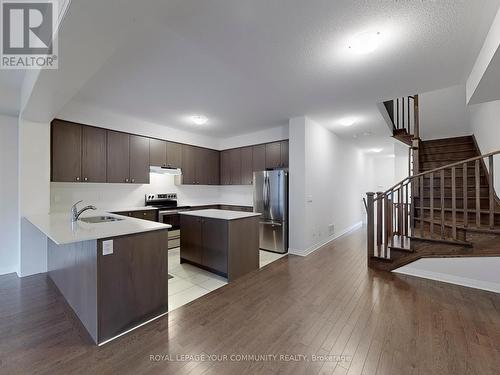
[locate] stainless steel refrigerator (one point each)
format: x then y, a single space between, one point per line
270 198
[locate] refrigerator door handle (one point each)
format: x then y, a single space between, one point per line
271 223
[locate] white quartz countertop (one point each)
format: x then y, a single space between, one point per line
59 228
221 214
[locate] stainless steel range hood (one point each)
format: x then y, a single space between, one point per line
166 170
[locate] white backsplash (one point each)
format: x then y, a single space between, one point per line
116 196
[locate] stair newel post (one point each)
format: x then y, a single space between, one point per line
478 195
380 224
370 223
491 192
453 203
465 191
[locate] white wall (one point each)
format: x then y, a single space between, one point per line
34 193
91 115
479 273
443 113
9 196
485 124
327 184
263 136
123 196
484 69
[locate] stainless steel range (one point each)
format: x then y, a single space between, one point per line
168 213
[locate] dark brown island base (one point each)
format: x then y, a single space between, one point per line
221 241
114 274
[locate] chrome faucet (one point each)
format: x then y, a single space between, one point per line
75 214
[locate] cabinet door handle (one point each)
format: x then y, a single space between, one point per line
126 180
133 180
78 178
85 179
145 214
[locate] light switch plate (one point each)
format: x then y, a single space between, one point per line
107 247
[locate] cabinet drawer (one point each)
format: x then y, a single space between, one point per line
150 215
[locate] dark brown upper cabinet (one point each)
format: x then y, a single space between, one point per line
174 155
157 153
225 165
247 165
93 154
277 155
188 164
200 166
78 153
273 155
66 163
213 158
118 161
284 154
235 166
139 160
259 158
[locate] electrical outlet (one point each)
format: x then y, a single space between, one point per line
331 228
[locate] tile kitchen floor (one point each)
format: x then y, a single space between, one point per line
190 282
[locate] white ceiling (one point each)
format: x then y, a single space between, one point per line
253 65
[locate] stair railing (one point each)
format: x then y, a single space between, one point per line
395 212
404 115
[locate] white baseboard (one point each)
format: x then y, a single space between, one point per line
315 247
452 279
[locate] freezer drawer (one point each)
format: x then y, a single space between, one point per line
273 236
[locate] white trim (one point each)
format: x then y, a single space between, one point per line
451 279
132 329
315 247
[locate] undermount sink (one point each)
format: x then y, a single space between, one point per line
100 219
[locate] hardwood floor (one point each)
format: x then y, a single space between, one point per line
328 303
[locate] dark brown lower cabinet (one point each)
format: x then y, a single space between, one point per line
116 290
132 281
229 248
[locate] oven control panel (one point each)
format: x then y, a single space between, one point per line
150 198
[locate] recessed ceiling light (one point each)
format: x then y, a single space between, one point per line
347 121
199 120
377 150
365 42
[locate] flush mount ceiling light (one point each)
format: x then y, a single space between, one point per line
199 120
376 150
347 121
365 42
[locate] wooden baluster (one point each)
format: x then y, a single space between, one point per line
465 194
478 195
453 204
405 205
411 207
392 219
370 225
387 223
442 203
421 206
431 225
416 120
401 212
491 193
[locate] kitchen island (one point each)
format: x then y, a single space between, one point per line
221 241
113 272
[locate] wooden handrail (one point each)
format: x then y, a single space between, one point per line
458 163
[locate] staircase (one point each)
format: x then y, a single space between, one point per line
446 208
